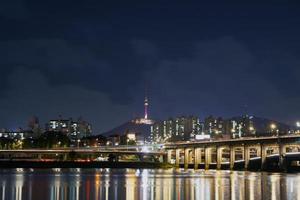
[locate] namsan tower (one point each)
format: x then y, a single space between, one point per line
146 104
145 119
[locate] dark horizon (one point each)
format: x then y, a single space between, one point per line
95 60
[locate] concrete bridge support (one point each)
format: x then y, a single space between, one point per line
186 158
263 156
219 157
282 153
254 151
246 156
268 150
177 157
221 150
198 157
237 153
207 157
232 157
189 157
250 152
169 156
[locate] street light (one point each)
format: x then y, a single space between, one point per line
273 126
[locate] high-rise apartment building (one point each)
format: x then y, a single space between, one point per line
178 129
241 127
73 129
214 126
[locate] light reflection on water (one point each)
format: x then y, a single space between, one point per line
146 184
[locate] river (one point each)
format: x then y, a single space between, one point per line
43 184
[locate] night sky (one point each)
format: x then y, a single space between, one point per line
95 60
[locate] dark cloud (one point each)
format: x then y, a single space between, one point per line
61 63
68 57
221 76
13 9
29 93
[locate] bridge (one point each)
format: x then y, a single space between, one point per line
83 154
261 153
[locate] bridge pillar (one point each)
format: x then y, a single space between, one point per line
207 151
39 156
258 151
177 157
263 155
197 158
282 152
232 157
246 156
169 156
219 157
192 156
187 157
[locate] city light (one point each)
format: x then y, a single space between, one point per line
273 126
156 100
202 137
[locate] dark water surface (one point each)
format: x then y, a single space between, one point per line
146 184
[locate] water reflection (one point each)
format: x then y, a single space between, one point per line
144 184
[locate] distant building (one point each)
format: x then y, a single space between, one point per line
93 141
214 126
73 129
113 140
132 138
241 127
59 125
178 129
19 134
236 127
34 126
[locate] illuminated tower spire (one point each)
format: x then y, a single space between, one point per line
145 119
146 104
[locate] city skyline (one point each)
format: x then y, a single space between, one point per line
93 59
143 118
149 99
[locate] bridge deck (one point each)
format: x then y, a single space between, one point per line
81 151
286 138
